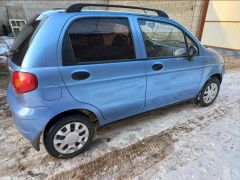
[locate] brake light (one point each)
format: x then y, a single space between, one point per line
24 82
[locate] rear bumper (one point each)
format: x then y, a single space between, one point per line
29 121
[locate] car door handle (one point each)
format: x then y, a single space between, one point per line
81 75
157 67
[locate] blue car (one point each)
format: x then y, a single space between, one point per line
72 69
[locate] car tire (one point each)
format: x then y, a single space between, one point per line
69 136
209 92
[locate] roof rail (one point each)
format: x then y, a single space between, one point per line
79 6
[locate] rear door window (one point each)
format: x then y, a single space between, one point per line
94 40
22 41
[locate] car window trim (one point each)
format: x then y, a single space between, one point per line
126 61
166 57
168 23
194 43
105 61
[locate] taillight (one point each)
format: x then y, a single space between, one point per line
24 82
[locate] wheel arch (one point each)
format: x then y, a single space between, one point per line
85 109
205 80
217 75
91 115
207 77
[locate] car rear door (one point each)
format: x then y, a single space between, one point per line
100 66
171 75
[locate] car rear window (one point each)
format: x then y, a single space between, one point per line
23 39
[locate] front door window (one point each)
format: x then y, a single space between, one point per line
162 40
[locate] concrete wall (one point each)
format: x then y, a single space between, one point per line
187 12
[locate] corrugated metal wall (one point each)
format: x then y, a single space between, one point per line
222 24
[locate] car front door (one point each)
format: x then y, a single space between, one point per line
100 66
171 75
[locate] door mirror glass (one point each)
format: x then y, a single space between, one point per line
192 51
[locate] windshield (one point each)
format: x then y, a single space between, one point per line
22 41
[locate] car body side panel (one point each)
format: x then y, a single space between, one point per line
178 80
52 93
213 64
117 89
31 121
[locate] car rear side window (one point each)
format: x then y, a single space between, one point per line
94 40
22 41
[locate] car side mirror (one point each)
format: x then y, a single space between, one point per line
180 52
192 51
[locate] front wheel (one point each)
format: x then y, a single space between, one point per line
69 136
209 92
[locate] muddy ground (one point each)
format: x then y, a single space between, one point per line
183 141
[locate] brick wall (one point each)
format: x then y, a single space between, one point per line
187 12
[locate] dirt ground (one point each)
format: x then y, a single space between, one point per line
182 142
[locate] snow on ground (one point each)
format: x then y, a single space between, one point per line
5 45
211 151
183 142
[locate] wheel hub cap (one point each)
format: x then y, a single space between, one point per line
210 93
71 137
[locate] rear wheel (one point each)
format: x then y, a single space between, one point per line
209 92
69 136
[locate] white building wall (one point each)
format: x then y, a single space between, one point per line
222 25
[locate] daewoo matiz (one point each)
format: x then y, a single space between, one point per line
71 69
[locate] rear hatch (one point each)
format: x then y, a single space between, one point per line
16 59
22 43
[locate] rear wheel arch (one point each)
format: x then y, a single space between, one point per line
70 136
61 115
